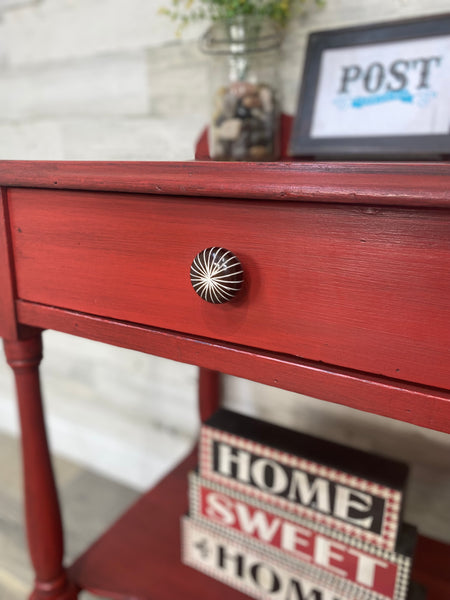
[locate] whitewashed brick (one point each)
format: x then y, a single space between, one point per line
178 80
101 139
5 4
62 29
341 13
103 85
292 55
31 141
124 382
134 413
124 414
131 139
135 454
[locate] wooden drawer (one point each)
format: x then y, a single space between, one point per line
361 287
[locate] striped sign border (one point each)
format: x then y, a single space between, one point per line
402 562
393 498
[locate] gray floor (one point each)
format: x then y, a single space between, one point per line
90 503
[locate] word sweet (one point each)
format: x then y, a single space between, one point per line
340 559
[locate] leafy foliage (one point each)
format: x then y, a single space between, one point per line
187 11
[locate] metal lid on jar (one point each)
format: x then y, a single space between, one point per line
241 35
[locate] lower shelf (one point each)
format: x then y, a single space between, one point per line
138 558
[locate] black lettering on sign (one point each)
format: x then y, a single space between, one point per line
396 76
237 559
265 578
349 74
345 503
424 65
295 591
374 77
398 71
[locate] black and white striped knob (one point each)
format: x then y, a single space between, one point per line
216 275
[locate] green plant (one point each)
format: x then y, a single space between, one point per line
187 11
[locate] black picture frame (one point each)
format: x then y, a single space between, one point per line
305 141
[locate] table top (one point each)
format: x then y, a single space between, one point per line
386 183
364 247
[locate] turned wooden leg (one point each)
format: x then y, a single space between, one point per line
209 392
43 519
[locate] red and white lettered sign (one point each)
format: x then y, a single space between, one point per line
379 573
319 485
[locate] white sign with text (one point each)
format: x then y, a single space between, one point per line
384 89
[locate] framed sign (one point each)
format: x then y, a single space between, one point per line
379 91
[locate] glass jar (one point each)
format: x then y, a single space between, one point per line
245 107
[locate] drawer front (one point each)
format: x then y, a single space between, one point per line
353 286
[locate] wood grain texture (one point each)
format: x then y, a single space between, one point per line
418 405
113 566
43 520
410 184
356 287
8 324
209 392
346 298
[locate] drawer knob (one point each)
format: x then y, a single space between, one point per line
216 275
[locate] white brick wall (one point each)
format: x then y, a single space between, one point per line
101 85
55 30
105 80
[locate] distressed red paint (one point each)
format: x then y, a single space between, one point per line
365 326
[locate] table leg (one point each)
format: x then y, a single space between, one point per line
43 518
209 392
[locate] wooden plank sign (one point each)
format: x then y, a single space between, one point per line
353 492
319 550
253 573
